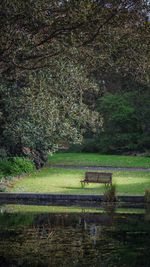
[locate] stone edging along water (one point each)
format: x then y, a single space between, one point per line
66 197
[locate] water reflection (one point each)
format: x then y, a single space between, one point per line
74 239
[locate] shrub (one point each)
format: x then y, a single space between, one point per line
125 122
1 175
5 167
16 166
39 157
75 148
3 188
21 165
3 153
90 145
9 178
110 193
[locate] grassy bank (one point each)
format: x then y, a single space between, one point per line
51 180
64 209
91 159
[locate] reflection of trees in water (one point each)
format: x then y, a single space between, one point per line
78 240
41 232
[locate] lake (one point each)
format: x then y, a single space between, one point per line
59 237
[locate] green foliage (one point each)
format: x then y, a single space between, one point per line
50 109
16 166
49 28
47 94
74 148
1 175
3 153
21 165
123 128
89 145
117 142
5 167
3 188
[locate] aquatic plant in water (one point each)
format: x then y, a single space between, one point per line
110 193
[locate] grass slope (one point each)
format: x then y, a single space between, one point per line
93 159
64 209
52 180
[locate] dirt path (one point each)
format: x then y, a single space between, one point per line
106 168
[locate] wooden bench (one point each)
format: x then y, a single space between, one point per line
97 177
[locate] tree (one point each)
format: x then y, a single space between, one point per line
46 112
32 33
125 125
38 41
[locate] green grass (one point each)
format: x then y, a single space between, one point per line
93 159
52 180
64 209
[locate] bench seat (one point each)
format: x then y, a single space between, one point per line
97 177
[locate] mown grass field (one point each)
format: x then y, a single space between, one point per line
63 181
93 159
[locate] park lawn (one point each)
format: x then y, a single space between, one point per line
63 181
95 159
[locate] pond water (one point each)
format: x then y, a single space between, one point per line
74 239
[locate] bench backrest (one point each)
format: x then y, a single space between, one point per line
98 177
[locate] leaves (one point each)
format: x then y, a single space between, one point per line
50 109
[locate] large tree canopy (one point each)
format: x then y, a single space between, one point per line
57 58
49 110
33 32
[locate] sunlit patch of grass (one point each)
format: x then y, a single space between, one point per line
62 181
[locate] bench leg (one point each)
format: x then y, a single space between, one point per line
107 185
82 184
